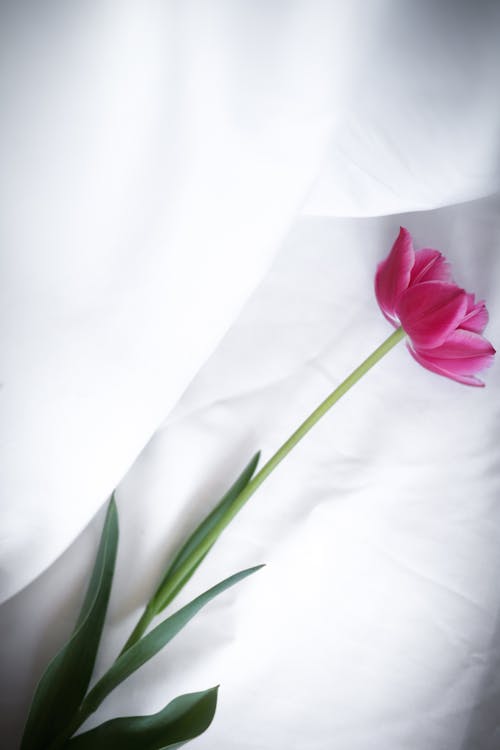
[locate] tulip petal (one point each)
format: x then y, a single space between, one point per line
476 317
430 265
393 274
465 345
435 366
430 311
463 354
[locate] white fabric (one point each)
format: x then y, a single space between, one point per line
147 183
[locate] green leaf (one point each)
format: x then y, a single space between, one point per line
150 644
182 720
66 679
160 600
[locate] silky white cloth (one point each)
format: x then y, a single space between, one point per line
155 157
374 622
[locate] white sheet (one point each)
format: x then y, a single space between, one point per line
374 623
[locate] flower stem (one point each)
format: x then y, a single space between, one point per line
180 576
314 417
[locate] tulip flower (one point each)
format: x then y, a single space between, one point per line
444 323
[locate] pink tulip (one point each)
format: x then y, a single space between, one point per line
443 322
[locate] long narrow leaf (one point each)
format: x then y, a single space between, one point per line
66 679
151 643
159 599
185 718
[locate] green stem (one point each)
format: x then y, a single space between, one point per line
179 576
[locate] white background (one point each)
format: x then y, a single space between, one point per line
158 161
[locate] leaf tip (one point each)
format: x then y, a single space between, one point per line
112 512
253 569
252 465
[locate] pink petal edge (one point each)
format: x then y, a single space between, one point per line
434 367
430 265
476 317
462 344
393 274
